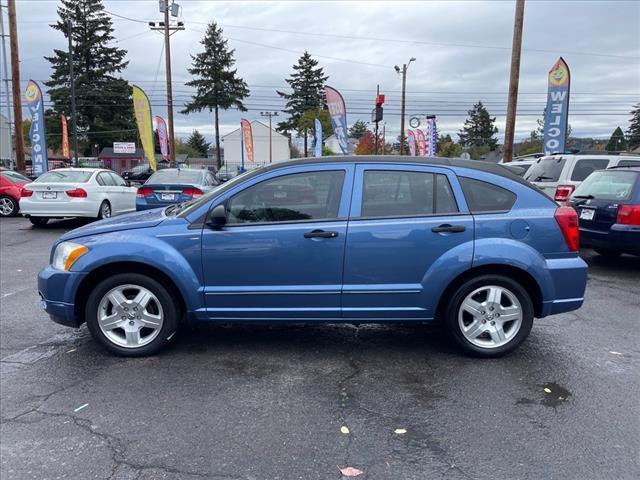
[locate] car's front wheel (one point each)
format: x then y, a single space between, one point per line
489 315
131 315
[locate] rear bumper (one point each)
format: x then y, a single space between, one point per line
619 237
569 277
150 206
57 291
61 209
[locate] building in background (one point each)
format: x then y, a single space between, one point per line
232 153
333 144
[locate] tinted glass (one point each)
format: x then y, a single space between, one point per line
445 199
486 197
518 169
545 170
585 166
14 177
174 177
608 185
118 180
301 196
629 163
64 176
106 179
394 193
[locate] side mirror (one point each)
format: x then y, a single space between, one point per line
218 217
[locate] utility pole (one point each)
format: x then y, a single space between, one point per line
269 114
404 90
168 30
15 85
5 71
72 83
513 82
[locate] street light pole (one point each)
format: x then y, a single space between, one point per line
270 115
72 85
404 90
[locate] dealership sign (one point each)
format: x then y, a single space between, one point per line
557 112
124 147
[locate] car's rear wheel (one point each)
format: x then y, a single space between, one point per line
608 253
104 211
489 315
38 221
131 315
8 206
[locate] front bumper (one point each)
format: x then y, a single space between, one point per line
619 237
57 289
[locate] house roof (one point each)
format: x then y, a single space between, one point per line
275 133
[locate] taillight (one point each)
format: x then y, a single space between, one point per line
567 219
144 192
628 215
77 193
26 193
563 192
192 192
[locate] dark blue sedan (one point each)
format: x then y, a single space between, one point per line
174 185
608 205
351 239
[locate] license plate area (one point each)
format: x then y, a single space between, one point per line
49 195
167 197
587 214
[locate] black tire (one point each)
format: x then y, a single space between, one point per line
105 205
11 207
170 310
455 301
608 253
38 221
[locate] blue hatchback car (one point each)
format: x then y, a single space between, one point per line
352 239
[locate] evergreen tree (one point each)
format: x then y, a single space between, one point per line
218 86
198 143
617 142
307 82
479 128
358 129
633 132
103 99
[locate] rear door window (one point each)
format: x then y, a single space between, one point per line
484 197
546 170
106 179
586 166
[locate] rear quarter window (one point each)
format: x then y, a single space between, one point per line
485 197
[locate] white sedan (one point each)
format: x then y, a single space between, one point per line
76 192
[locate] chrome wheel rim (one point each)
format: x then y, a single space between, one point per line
130 316
6 207
490 316
105 210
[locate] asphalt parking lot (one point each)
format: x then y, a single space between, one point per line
261 402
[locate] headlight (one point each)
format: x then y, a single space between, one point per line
66 255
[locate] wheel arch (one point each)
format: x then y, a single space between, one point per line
94 277
521 276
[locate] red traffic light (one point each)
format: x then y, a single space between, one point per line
379 100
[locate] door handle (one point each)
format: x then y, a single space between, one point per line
446 228
320 234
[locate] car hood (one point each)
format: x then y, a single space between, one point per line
128 221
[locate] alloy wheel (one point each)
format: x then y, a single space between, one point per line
105 210
490 316
130 316
6 207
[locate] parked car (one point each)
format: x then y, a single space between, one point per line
519 167
174 185
141 173
378 239
608 205
559 175
11 183
76 192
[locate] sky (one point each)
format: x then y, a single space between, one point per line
462 51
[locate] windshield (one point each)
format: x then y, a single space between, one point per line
608 185
15 177
546 170
175 177
65 176
186 208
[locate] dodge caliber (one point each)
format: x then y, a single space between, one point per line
366 239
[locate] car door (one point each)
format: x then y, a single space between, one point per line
107 190
281 253
408 224
126 195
